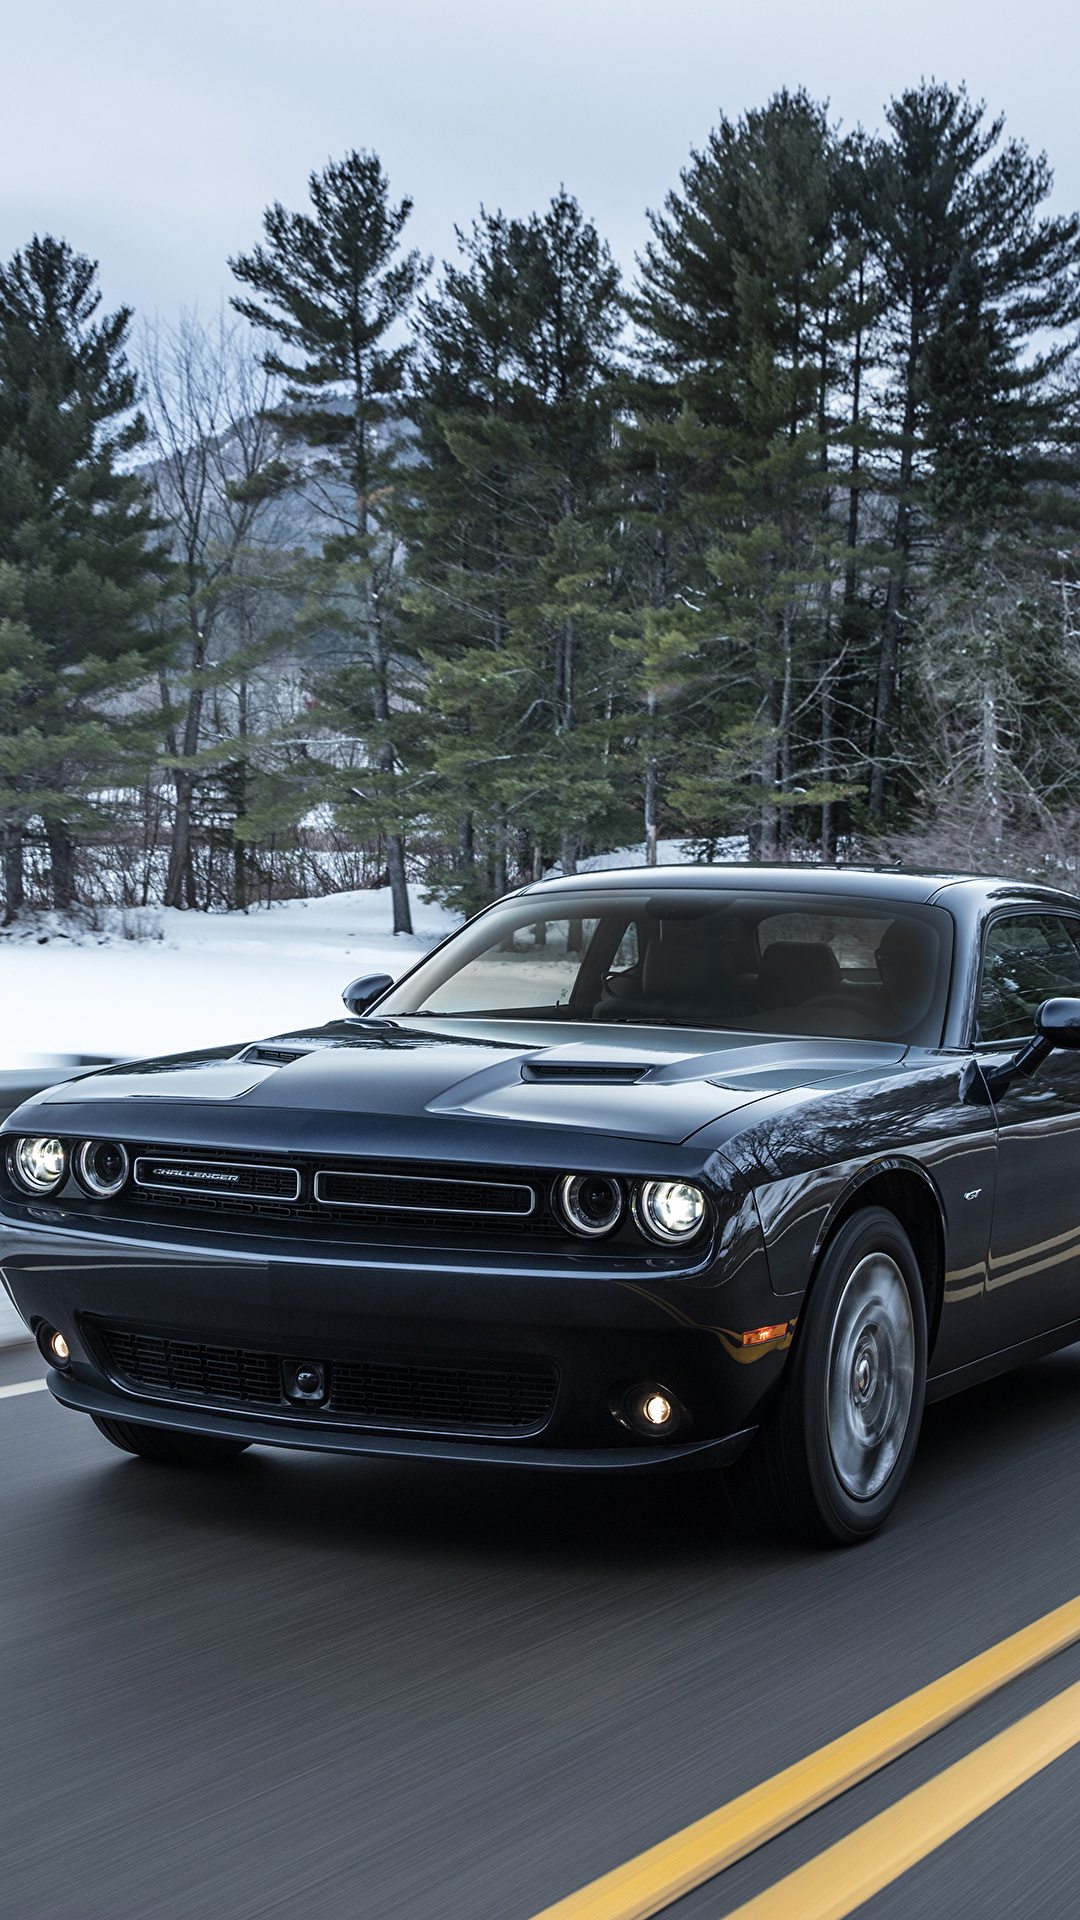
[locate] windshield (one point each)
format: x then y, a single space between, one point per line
707 957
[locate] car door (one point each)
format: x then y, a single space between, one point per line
1033 1281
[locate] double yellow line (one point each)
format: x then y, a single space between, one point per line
845 1875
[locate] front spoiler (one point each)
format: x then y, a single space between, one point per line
399 1446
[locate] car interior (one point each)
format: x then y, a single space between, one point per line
753 965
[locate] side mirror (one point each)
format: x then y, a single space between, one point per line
359 994
1057 1024
1058 1021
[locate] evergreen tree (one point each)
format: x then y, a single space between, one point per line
332 288
747 310
507 521
948 210
82 574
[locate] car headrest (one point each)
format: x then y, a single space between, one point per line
792 971
684 965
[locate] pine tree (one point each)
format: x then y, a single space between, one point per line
747 310
507 520
332 287
944 203
82 571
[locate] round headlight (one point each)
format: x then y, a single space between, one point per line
39 1166
101 1167
590 1203
671 1211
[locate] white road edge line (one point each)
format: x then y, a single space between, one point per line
23 1386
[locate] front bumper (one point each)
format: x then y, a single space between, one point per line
309 1437
596 1332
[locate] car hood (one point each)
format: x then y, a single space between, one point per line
649 1085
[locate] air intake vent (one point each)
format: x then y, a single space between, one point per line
473 1394
598 1072
274 1056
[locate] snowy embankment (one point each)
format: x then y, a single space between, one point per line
152 980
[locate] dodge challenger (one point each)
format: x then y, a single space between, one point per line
691 1167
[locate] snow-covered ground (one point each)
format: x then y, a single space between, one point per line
158 981
152 980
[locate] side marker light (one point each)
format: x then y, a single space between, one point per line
758 1336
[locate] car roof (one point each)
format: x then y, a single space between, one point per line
895 883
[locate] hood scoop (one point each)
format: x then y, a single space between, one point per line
275 1056
594 1073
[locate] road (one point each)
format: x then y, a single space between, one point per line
336 1690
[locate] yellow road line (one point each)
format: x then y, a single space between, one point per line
687 1859
845 1875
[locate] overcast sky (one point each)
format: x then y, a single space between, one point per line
151 136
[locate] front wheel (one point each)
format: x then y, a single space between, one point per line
166 1446
831 1458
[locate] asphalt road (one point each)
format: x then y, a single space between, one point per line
334 1690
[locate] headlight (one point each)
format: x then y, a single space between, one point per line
39 1166
101 1167
590 1203
671 1211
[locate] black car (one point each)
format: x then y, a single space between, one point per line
723 1167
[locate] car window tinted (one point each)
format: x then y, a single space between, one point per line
1027 958
710 958
532 966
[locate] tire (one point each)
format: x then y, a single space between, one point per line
166 1446
829 1462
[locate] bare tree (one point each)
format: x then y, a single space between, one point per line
216 475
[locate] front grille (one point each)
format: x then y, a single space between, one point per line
427 1196
232 1179
441 1396
188 1367
488 1397
401 1193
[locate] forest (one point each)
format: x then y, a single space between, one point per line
456 573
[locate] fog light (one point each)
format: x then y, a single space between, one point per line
648 1408
54 1348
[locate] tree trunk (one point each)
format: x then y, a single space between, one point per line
61 863
894 602
399 891
178 886
768 824
784 741
180 879
14 890
828 810
652 823
500 853
568 850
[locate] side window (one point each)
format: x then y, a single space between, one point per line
1027 958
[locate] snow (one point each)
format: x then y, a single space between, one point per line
154 980
149 980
